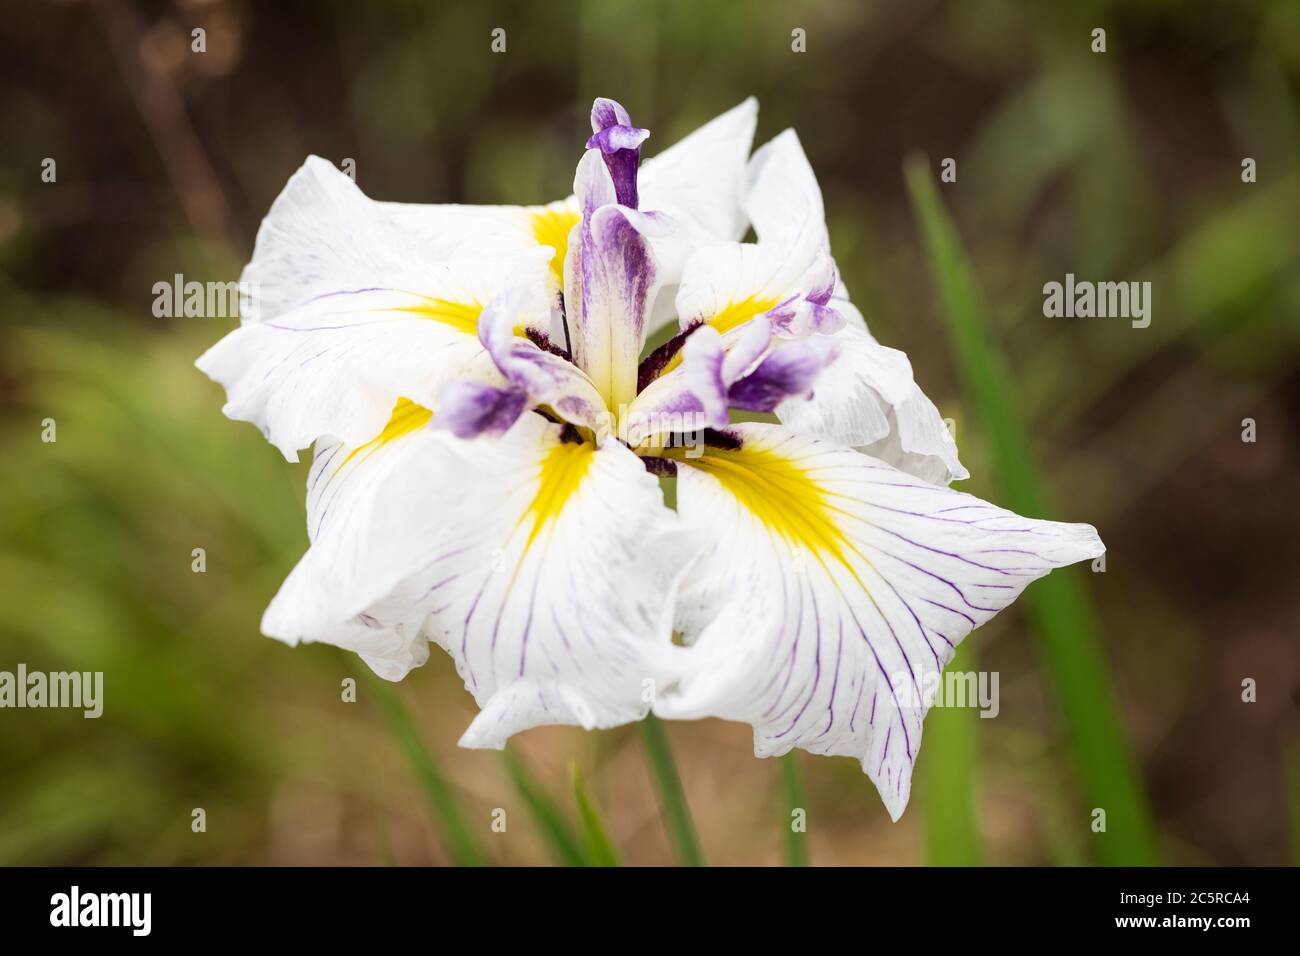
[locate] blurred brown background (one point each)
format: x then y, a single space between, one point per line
1117 166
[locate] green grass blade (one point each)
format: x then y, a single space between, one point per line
1058 604
555 828
383 846
442 802
796 843
599 848
948 768
672 801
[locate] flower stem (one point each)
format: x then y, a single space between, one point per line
952 835
437 790
599 847
672 801
796 841
550 818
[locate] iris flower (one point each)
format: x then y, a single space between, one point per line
490 431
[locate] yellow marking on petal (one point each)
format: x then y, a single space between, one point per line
732 316
551 227
406 418
461 316
738 313
780 493
563 469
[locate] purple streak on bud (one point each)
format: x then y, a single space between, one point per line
620 145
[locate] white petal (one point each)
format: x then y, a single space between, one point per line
322 236
727 284
450 230
919 442
700 182
545 569
867 398
783 199
831 586
700 179
343 575
335 365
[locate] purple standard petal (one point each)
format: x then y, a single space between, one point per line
789 371
620 145
609 281
610 278
468 409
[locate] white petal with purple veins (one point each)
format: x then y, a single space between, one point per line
334 365
343 574
545 568
321 236
832 588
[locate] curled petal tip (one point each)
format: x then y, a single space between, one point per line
620 144
606 113
615 138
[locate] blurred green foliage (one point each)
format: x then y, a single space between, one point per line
1064 616
599 848
1122 166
